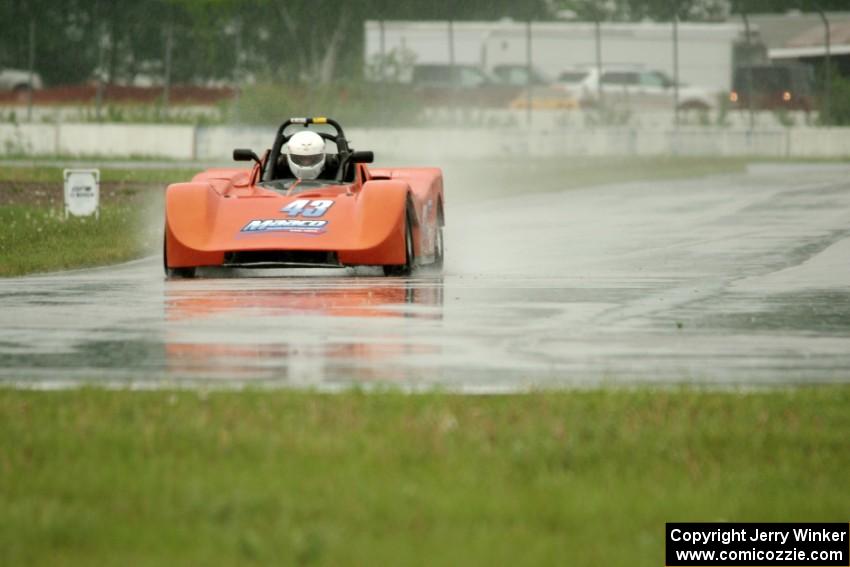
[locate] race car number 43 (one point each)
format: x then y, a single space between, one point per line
307 208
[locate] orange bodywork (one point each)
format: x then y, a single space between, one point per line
224 211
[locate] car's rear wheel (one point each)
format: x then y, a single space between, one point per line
175 273
406 268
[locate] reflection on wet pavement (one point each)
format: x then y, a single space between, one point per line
281 323
336 297
727 280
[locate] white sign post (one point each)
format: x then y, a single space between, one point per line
82 192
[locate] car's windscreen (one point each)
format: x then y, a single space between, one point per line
432 74
572 76
297 186
620 78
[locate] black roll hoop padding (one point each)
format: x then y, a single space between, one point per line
245 155
361 157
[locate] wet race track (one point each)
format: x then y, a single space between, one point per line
740 279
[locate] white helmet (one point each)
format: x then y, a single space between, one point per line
306 155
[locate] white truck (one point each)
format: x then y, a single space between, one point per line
18 80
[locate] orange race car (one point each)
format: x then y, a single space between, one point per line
302 209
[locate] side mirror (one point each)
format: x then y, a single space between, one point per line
362 157
245 155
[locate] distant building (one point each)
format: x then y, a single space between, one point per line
797 36
707 52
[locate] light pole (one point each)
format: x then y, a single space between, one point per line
750 93
599 9
31 79
676 65
166 88
454 79
597 32
528 86
382 68
825 112
237 75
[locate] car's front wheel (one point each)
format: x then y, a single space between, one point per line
406 268
180 273
175 273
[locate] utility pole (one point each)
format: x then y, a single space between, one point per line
676 66
31 79
528 82
99 74
382 62
454 79
597 27
101 71
826 117
166 87
236 70
382 43
750 93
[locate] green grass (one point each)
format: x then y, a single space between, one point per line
35 238
50 174
96 477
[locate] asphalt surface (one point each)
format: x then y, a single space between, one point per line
728 280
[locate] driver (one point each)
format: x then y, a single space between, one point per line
306 155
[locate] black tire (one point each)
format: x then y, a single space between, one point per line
439 249
407 268
175 273
180 273
697 105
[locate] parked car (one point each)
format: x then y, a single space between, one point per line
438 75
518 75
441 84
580 83
18 80
542 96
786 86
638 88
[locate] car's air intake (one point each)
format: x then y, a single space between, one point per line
272 258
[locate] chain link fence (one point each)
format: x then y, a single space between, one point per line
502 73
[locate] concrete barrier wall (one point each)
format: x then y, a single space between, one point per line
819 142
177 142
213 143
108 140
34 139
216 143
430 144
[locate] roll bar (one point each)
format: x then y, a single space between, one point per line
339 139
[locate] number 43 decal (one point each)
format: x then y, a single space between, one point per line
307 208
